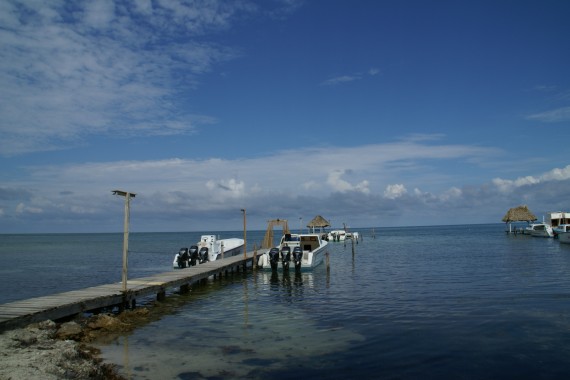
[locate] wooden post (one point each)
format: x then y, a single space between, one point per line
126 241
128 197
254 263
244 234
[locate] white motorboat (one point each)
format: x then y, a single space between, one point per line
337 235
557 219
539 230
560 229
564 237
302 251
342 235
209 248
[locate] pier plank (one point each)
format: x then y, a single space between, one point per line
20 313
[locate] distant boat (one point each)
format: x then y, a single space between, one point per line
564 237
558 218
539 230
209 248
561 229
342 235
336 235
302 251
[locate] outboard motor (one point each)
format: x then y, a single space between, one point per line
286 257
203 255
274 257
193 255
182 258
297 257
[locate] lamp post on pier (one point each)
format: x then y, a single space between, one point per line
244 234
128 197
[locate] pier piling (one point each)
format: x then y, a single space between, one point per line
63 305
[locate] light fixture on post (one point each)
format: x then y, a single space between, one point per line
128 197
244 235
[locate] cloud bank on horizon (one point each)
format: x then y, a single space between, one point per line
205 108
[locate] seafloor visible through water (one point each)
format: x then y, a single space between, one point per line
455 302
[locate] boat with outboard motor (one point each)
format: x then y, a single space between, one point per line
304 251
209 248
539 230
337 235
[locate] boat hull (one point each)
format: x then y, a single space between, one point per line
539 230
313 253
341 235
564 237
561 229
216 249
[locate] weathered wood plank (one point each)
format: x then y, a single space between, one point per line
20 313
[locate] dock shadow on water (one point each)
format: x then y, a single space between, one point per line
258 326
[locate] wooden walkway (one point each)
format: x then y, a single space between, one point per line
21 313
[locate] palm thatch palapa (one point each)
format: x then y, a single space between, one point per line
318 222
518 214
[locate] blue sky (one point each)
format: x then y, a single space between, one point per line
369 113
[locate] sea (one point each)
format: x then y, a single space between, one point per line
437 302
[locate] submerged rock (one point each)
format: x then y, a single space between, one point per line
46 351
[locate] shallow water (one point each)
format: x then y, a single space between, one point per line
431 302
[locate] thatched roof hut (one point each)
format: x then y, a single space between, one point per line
318 222
519 214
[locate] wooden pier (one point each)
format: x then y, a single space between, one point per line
21 313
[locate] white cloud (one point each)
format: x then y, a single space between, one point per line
369 181
507 185
349 78
395 191
375 166
311 185
21 208
338 184
340 79
67 75
452 193
99 14
231 188
552 116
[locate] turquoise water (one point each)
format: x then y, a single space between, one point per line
452 302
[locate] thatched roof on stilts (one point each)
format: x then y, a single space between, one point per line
318 222
519 214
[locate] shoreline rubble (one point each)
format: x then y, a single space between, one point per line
53 351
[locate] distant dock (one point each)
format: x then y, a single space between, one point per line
21 313
516 231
